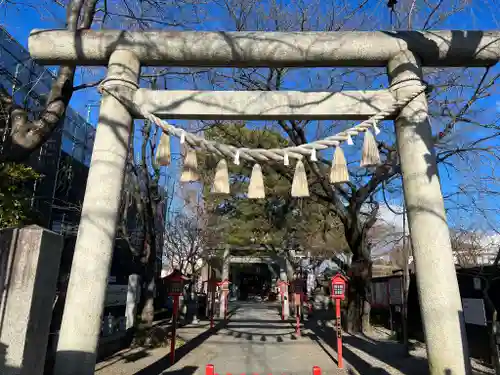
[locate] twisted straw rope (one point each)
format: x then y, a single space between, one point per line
278 154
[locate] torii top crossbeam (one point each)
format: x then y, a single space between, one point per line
273 49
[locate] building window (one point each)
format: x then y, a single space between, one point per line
89 143
9 63
69 123
78 152
80 131
87 157
67 144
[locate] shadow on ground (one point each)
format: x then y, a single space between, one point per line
391 353
163 363
187 370
4 368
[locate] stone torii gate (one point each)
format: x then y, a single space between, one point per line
259 255
403 53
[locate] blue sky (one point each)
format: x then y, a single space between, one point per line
479 15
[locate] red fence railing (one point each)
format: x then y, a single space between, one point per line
210 370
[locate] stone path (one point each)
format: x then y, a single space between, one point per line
257 341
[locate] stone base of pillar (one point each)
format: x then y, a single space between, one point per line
222 306
286 307
29 268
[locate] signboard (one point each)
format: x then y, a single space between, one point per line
338 328
474 312
175 288
379 295
116 295
395 291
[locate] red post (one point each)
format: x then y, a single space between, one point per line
339 333
224 284
226 302
282 286
309 304
174 329
212 307
339 284
297 324
210 370
282 294
282 306
297 314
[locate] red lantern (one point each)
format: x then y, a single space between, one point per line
224 284
282 285
338 286
175 283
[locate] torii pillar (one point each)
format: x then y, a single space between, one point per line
81 323
437 284
226 259
284 277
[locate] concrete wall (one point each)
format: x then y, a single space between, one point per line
29 266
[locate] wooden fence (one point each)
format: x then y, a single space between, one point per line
480 293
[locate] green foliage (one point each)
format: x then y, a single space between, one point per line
279 220
15 192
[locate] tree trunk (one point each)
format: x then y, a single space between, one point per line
359 286
290 270
148 308
25 136
148 286
359 291
133 298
